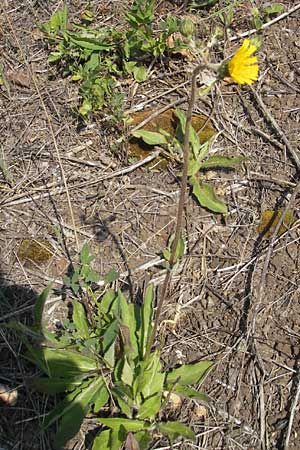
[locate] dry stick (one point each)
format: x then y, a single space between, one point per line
266 25
49 123
275 125
291 418
271 246
180 209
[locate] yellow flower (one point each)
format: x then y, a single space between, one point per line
243 67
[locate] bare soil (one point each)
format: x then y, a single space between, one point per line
224 303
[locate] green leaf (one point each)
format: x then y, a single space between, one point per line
193 167
104 305
206 196
86 107
140 73
54 385
128 424
102 441
144 438
39 306
274 8
150 137
127 373
110 335
109 356
175 430
221 161
146 316
150 379
189 373
62 363
70 424
80 320
85 257
111 276
73 409
150 407
128 322
122 402
58 21
88 43
189 392
102 397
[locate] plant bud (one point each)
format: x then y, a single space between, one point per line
187 27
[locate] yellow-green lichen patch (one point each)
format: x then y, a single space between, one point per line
269 220
37 251
168 122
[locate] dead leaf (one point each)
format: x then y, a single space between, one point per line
174 400
171 43
269 220
200 411
20 78
7 395
131 443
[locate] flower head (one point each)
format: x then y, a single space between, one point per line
243 67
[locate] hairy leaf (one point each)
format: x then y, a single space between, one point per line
189 373
221 161
150 407
206 196
150 137
80 320
175 430
128 424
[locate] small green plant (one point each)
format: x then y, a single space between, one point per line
82 275
103 361
265 13
198 160
96 58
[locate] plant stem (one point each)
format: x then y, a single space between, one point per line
180 208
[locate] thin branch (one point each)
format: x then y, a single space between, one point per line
180 209
267 24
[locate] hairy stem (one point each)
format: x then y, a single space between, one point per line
180 208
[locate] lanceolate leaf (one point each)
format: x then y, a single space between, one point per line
189 373
54 385
128 424
73 414
88 42
186 391
80 320
175 430
150 407
146 313
62 363
206 196
102 441
221 161
39 306
128 324
150 137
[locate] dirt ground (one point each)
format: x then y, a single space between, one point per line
227 303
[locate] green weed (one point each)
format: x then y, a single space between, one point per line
100 360
98 58
198 160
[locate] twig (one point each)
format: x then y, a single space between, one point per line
275 125
271 246
180 209
48 120
267 24
291 418
157 113
33 196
